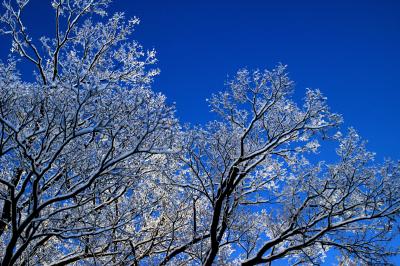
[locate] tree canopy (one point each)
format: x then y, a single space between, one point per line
97 170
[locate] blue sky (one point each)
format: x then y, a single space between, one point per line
348 49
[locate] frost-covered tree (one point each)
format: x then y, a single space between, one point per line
95 169
82 146
265 196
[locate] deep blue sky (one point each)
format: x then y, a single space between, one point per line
348 49
351 51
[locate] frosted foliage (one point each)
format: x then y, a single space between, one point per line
82 148
96 170
268 200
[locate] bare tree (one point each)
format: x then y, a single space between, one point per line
95 169
78 144
262 200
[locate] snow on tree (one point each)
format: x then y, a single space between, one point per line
266 201
95 168
81 145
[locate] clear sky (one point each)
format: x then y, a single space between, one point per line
351 51
348 49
